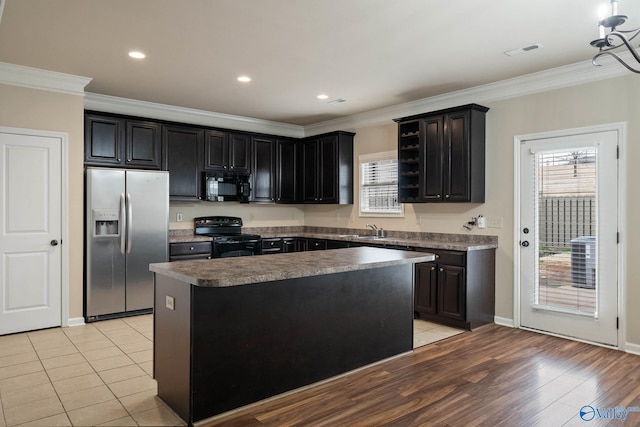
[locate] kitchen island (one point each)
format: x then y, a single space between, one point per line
232 331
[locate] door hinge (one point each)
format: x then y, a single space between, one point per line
617 151
618 237
617 323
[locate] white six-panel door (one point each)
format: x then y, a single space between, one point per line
30 231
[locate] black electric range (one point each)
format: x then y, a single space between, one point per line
228 240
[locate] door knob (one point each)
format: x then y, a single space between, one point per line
54 243
525 230
525 244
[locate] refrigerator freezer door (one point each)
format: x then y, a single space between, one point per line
105 263
148 233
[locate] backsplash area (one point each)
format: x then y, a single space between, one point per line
281 231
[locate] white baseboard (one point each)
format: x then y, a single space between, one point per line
503 321
632 348
76 321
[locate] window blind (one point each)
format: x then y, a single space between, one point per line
565 185
379 187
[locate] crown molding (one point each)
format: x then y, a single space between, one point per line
542 81
552 79
34 78
133 107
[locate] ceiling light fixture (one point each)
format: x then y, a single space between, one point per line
244 79
609 42
137 55
323 96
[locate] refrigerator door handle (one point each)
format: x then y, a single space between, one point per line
129 223
123 225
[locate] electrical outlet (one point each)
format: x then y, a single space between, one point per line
170 302
494 222
179 217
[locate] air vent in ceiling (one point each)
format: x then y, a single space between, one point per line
521 50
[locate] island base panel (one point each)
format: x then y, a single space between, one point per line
172 344
255 341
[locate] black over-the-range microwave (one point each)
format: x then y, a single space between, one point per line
227 187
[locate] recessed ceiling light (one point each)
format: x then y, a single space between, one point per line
323 96
136 54
244 79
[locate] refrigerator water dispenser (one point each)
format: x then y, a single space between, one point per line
106 222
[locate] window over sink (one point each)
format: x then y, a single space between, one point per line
379 185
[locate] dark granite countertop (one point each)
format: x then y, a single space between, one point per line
224 272
447 241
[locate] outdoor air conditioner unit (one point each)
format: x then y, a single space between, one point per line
583 262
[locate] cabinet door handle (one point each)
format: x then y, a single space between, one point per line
447 196
441 269
433 268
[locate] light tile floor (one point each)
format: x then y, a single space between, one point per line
98 374
427 332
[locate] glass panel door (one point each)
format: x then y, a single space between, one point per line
568 236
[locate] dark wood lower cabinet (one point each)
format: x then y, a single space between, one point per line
337 244
294 244
457 289
316 244
271 245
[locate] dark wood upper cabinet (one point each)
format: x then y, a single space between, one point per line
240 153
442 156
121 142
216 151
287 171
227 152
283 170
275 171
183 148
327 168
143 145
263 177
103 140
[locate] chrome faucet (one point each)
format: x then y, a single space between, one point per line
379 231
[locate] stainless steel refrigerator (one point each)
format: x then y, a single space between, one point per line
127 228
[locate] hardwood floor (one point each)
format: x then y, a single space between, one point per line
494 376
